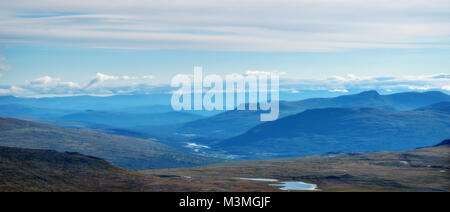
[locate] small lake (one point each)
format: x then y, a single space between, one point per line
286 185
196 147
296 185
259 179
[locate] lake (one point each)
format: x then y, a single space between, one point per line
286 185
296 185
259 179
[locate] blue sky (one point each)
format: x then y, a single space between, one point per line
81 64
54 47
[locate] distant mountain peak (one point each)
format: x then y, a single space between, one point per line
369 93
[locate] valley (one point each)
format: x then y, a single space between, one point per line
128 152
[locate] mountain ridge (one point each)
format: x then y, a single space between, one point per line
123 151
318 131
233 123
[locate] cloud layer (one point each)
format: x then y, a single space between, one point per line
244 25
100 84
385 83
103 84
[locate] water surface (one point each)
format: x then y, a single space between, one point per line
259 179
296 185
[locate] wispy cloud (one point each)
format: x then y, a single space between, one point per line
3 66
302 25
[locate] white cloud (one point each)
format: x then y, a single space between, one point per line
354 82
45 85
441 76
263 25
103 77
338 90
14 91
420 88
69 85
294 91
46 80
99 78
149 77
263 73
127 78
348 78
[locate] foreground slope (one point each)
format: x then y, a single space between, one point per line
122 151
424 169
319 131
46 170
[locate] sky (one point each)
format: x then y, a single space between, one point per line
75 47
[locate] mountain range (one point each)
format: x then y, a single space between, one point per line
115 102
366 121
233 123
320 131
130 120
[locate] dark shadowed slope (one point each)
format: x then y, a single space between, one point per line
233 123
444 143
320 131
46 170
122 151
